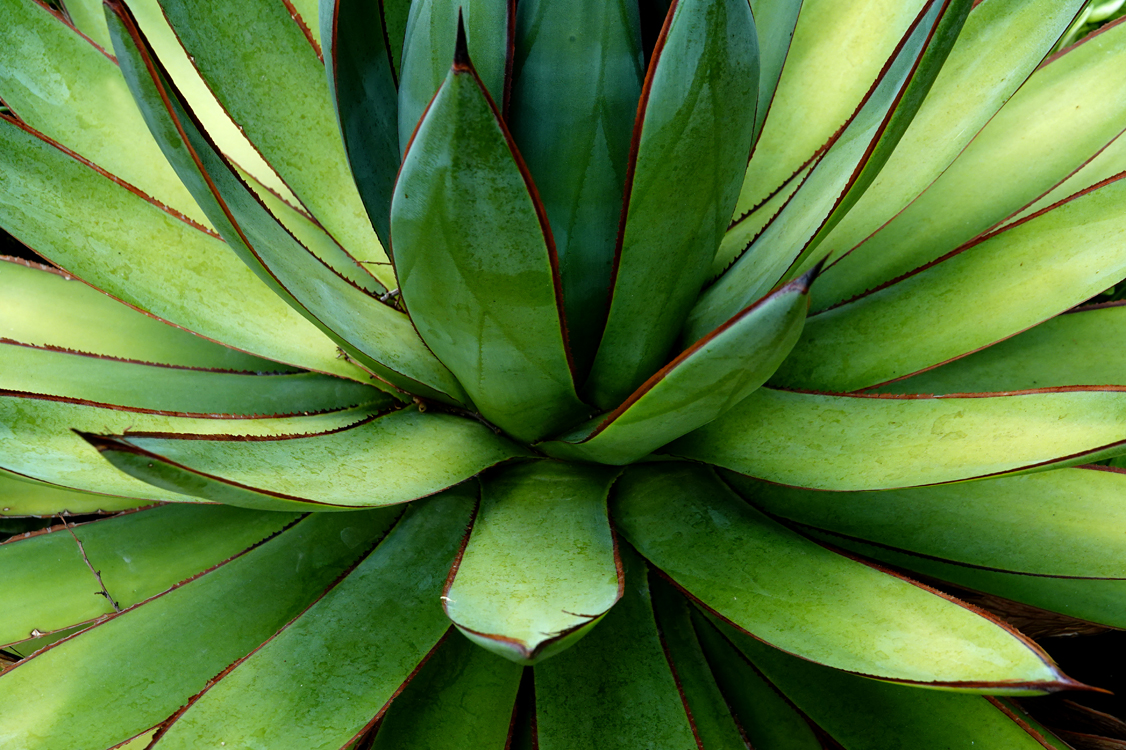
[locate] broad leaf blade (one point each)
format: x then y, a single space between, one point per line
707 379
686 161
368 632
809 601
380 337
575 88
477 263
615 688
380 461
541 566
782 436
132 670
137 556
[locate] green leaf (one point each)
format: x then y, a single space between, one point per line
278 95
838 442
614 689
364 89
365 636
42 306
712 722
477 264
46 197
428 48
380 337
47 448
686 161
24 496
173 389
381 460
1067 111
775 21
576 82
800 597
815 95
704 381
69 89
541 566
1068 522
461 698
87 16
1079 348
843 171
865 714
983 292
129 672
1001 44
769 721
137 556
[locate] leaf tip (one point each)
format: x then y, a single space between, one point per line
461 47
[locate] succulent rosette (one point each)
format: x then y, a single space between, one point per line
556 374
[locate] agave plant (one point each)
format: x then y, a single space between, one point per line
556 374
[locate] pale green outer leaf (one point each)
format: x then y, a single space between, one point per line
1066 112
45 447
262 69
89 18
706 380
175 390
1000 45
137 555
207 289
364 637
987 291
614 689
378 336
461 698
308 11
690 144
133 670
833 442
1079 348
836 55
1069 522
809 601
541 566
428 50
64 86
870 715
840 173
390 459
775 21
712 722
45 307
769 721
23 496
477 264
1108 163
1096 600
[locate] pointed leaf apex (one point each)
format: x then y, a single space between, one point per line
806 279
461 47
101 442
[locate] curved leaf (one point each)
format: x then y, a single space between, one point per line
382 460
378 336
125 253
837 442
985 291
137 556
775 22
576 81
367 635
477 263
811 602
541 566
686 162
130 671
24 496
1067 111
707 379
614 688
